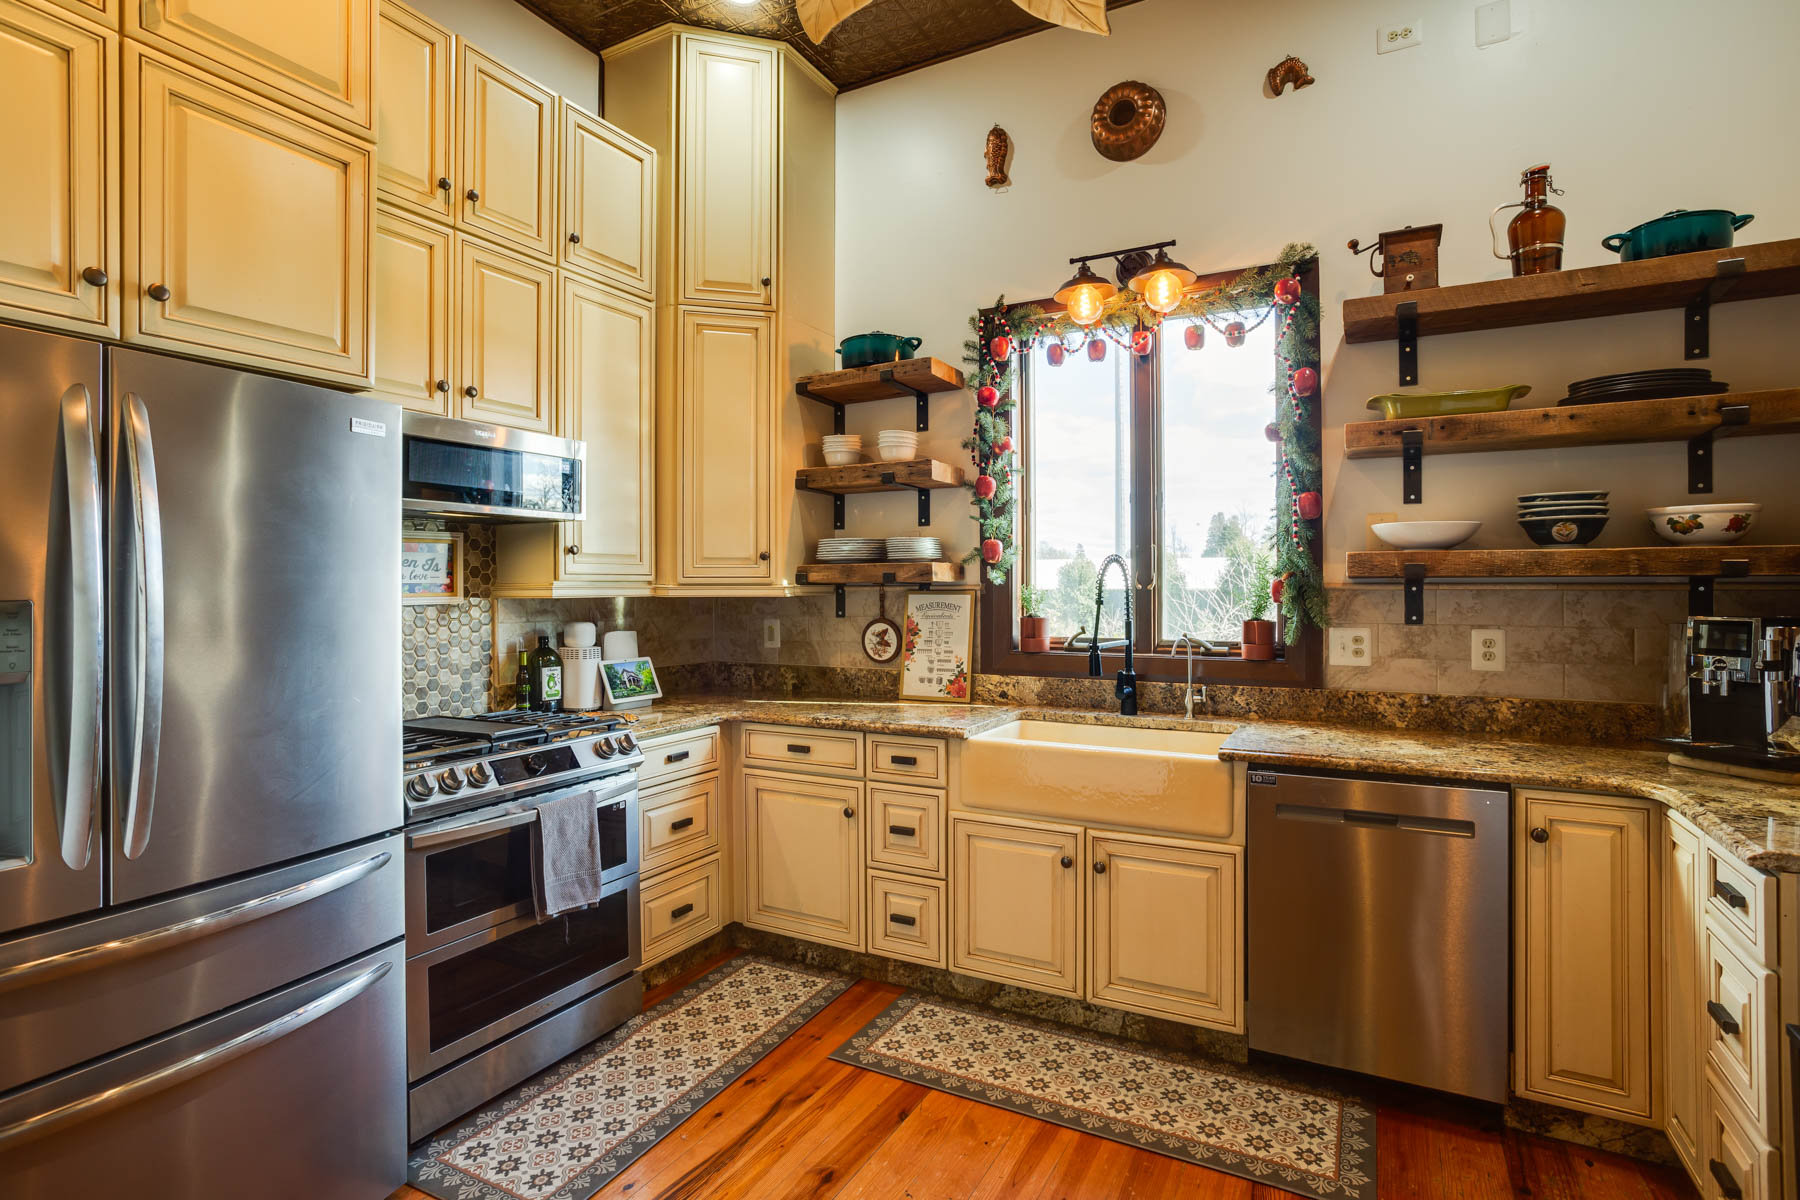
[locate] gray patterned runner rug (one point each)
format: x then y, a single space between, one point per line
1229 1120
564 1133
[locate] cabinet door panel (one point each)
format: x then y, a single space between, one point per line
59 210
1587 996
728 173
412 312
609 202
256 223
414 121
727 530
1165 929
1016 906
608 401
1682 1006
508 155
315 54
104 11
804 862
506 333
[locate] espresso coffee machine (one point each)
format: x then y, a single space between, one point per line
1743 692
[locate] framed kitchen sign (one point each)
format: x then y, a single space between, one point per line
431 568
936 645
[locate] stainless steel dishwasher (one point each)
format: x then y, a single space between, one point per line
1379 928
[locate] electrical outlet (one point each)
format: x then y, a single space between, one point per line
1487 649
771 633
1351 646
1493 23
1402 35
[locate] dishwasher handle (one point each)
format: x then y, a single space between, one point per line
1375 819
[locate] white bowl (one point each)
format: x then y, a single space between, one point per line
897 453
846 444
1425 535
842 458
1703 524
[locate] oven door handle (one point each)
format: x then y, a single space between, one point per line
436 837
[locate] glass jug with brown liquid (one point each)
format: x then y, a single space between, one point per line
1536 231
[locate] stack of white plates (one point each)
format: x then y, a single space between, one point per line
914 549
842 449
851 550
897 445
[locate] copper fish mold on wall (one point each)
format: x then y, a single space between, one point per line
999 150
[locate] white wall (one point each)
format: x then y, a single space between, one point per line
1639 105
525 42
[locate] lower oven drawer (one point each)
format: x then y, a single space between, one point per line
299 1093
473 992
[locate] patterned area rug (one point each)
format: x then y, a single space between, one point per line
563 1134
1300 1141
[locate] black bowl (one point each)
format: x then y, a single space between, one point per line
1562 531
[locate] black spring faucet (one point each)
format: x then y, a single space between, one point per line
1126 688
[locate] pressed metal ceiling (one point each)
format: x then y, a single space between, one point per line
887 38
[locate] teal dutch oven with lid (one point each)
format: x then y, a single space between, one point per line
1679 232
867 349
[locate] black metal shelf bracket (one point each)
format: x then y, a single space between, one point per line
1412 465
1697 321
837 502
1414 593
888 479
1700 449
839 590
922 398
836 406
1703 589
1406 323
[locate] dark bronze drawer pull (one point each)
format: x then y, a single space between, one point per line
794 748
1722 1018
675 758
1728 1186
901 919
904 830
680 911
675 826
1730 895
905 760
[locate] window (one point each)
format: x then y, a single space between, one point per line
1163 461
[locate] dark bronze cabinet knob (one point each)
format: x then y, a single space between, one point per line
158 292
572 549
1540 835
471 391
767 281
764 556
1067 861
472 194
443 183
443 385
1099 868
94 277
848 811
574 239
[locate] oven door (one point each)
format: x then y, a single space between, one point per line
474 992
473 871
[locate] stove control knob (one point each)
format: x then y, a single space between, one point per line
450 779
478 775
419 787
604 747
535 764
627 743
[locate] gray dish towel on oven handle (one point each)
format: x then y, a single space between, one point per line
565 856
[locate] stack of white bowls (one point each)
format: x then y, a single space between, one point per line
851 550
897 445
914 549
842 449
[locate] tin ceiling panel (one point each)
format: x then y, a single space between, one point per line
887 38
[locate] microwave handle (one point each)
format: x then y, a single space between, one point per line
463 830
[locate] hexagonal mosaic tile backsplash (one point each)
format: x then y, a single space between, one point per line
447 650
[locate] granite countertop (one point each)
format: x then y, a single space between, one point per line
1757 822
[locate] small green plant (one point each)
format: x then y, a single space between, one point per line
1262 578
1033 601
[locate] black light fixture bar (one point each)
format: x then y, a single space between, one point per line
1116 255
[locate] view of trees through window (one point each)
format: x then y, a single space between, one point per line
1212 490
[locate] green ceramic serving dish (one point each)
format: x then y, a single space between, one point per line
1396 405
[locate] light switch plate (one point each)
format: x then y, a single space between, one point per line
1487 649
1493 23
1352 645
1400 35
771 633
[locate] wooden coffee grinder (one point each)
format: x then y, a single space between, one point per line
1409 257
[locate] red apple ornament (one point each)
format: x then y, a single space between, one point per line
991 550
1306 381
988 395
1235 333
1310 505
984 487
1287 291
1097 349
1054 353
1194 335
1272 431
1003 446
1141 343
1276 587
1002 347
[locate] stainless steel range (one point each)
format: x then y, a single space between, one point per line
493 994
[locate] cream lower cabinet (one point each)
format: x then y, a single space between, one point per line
1683 1049
803 856
1588 931
506 337
59 207
1015 902
682 897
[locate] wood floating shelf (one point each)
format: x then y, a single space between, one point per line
1769 269
874 573
921 475
915 377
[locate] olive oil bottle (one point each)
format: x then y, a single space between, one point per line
523 684
546 677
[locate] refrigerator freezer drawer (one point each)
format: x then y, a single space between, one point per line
301 1093
88 989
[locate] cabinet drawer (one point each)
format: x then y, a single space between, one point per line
680 755
906 918
906 829
677 823
920 761
1736 1163
803 749
1738 1028
1742 899
681 908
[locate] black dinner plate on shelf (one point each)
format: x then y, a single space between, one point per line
1671 383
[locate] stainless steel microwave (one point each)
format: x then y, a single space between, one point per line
477 472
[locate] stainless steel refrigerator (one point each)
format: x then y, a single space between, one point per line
201 893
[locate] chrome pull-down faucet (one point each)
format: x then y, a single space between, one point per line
1126 687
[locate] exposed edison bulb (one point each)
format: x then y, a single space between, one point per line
1085 304
1163 292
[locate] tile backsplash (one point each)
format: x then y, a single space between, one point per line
447 649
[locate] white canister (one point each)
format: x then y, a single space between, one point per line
579 633
620 643
581 667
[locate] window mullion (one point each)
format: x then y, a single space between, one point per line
1146 499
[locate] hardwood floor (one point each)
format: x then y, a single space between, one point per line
800 1125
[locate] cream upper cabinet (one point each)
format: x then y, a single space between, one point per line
1015 908
722 462
1589 926
317 55
59 214
506 338
803 859
727 172
608 202
1683 1010
507 158
104 11
1165 934
607 400
414 311
250 239
415 123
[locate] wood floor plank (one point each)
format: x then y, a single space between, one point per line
821 1149
1427 1156
941 1153
1025 1165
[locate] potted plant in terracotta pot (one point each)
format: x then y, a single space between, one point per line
1034 626
1258 644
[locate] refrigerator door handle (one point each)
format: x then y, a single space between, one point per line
138 626
180 1071
75 626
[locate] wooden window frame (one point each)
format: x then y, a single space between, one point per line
1299 665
